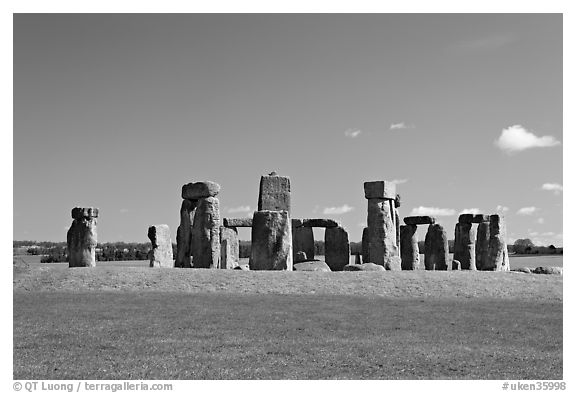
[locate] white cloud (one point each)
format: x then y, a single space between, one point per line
540 221
517 138
471 211
399 181
527 211
240 209
123 210
432 211
548 234
338 210
352 132
555 187
501 209
400 126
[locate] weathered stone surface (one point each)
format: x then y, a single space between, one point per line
336 248
184 234
297 222
87 212
397 201
382 234
465 245
320 223
303 240
201 189
206 234
436 248
409 251
397 223
237 222
365 245
456 265
473 218
355 248
312 266
82 238
522 270
365 267
300 257
419 220
161 253
548 270
482 241
274 193
497 249
381 189
229 248
271 241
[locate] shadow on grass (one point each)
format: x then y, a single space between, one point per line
217 336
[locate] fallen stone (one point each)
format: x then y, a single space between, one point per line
312 266
419 220
237 222
271 241
229 248
522 270
206 234
82 238
242 267
300 257
319 223
365 267
303 240
274 193
381 189
436 248
336 248
87 212
161 255
201 189
548 270
382 234
409 251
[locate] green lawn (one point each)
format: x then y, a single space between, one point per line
172 335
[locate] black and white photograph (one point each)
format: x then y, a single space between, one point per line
267 196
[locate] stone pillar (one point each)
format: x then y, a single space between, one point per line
436 254
82 237
357 260
365 246
302 239
397 219
409 251
381 224
271 241
161 253
229 248
274 193
464 244
337 248
184 233
497 249
482 240
206 234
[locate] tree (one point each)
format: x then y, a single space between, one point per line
522 246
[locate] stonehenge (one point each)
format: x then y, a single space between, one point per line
497 259
161 253
337 248
82 237
436 255
382 234
409 251
229 247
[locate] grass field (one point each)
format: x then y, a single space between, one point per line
117 322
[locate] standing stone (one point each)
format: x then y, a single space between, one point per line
336 248
436 254
482 241
202 189
184 233
206 234
497 249
409 251
161 254
271 241
382 234
229 248
397 222
365 246
357 260
274 193
303 240
82 237
456 265
381 189
465 245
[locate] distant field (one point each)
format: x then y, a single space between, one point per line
132 322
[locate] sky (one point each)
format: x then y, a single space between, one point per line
118 111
